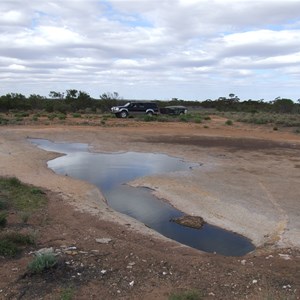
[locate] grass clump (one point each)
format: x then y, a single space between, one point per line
229 122
187 295
66 294
198 120
76 115
42 263
21 197
61 116
3 219
149 118
11 243
3 204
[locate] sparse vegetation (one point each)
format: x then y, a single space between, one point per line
3 219
42 262
11 243
187 295
76 115
23 200
67 294
229 122
21 197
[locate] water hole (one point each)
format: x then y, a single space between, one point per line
111 171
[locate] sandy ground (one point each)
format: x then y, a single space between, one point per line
247 180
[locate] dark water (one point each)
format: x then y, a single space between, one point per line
111 171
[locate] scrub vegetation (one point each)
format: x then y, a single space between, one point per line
79 108
19 200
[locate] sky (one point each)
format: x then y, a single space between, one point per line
152 49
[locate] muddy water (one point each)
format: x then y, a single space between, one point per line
111 171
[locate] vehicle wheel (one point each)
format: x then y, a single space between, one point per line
123 114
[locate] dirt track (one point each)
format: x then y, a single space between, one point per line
248 182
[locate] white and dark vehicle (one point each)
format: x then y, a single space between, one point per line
135 108
174 110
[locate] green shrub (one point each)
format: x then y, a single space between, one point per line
198 120
184 118
3 204
21 197
19 238
36 191
14 182
61 116
66 294
3 121
229 122
42 263
76 115
25 215
149 118
187 295
3 218
207 118
163 119
35 118
10 243
51 117
21 114
8 248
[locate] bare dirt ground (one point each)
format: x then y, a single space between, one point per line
247 182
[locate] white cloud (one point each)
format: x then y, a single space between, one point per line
151 49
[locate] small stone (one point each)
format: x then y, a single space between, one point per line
131 283
243 262
71 248
103 272
103 240
44 251
254 281
285 256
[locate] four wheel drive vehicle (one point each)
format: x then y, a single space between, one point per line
135 108
174 110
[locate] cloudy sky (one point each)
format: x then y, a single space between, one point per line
152 49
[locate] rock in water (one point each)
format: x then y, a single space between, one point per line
189 221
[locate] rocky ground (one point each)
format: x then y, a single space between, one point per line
248 183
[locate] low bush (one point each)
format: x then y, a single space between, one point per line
76 115
3 204
14 182
187 295
61 116
149 118
229 122
8 248
67 294
42 263
11 243
3 219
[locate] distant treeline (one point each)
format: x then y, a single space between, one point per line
74 101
